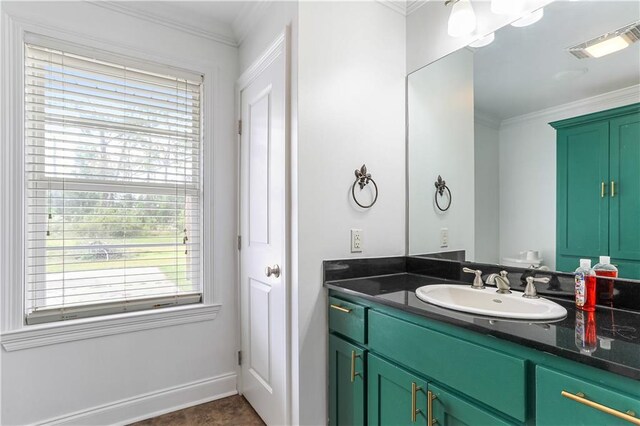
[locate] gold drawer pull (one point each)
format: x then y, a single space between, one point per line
602 189
613 189
353 366
341 309
414 409
580 397
430 420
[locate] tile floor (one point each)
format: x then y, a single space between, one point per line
234 410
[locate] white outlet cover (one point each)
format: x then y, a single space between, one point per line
356 241
444 237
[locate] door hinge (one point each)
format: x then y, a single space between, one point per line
239 242
239 357
239 127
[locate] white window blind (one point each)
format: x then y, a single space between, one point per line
113 187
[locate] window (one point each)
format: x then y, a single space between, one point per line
113 187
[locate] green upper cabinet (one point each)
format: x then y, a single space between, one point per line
347 389
582 204
598 189
624 241
396 397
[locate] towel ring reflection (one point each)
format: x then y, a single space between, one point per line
441 187
362 179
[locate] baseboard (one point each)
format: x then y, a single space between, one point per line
152 404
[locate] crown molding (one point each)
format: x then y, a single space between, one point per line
616 98
487 120
173 23
248 18
413 5
398 6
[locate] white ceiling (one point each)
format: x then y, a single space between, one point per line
515 74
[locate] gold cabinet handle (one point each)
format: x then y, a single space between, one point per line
414 396
341 309
629 416
354 355
602 190
430 419
613 189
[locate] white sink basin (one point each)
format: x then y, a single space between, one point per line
488 302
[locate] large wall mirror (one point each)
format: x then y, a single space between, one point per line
520 196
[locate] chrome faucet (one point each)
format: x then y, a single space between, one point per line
477 281
501 281
530 291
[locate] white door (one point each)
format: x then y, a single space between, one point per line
263 292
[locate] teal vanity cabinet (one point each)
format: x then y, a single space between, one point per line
598 189
346 382
397 397
562 399
347 362
392 367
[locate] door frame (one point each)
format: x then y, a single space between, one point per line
280 46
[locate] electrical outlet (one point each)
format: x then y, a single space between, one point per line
444 237
356 241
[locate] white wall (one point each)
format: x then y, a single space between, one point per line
351 110
528 173
427 38
440 132
126 376
487 190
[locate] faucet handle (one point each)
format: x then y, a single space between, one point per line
530 291
477 281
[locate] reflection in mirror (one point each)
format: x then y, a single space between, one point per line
526 193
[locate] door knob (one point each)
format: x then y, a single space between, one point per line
272 271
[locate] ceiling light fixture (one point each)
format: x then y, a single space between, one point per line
607 43
506 7
483 41
529 18
462 20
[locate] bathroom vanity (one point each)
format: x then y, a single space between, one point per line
394 359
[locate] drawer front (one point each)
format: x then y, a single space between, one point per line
494 378
348 319
552 408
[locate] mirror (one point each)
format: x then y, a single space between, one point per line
479 118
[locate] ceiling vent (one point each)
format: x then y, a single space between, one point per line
607 43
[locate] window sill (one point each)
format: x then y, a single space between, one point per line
68 331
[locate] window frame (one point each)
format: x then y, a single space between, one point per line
15 333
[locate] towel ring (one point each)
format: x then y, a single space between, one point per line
362 179
441 186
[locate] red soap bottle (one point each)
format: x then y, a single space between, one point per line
604 288
585 286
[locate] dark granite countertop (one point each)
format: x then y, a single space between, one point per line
617 348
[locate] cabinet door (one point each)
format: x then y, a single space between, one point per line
582 209
451 410
562 399
393 395
346 383
625 195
